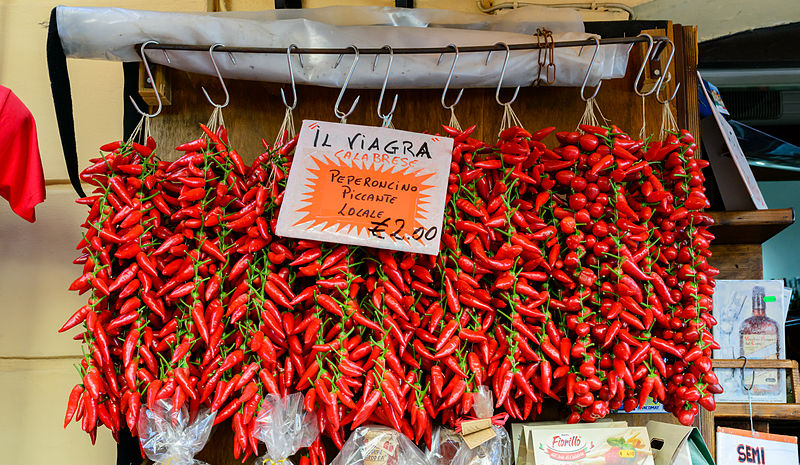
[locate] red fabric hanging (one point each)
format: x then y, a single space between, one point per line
21 174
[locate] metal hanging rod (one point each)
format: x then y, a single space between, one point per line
409 50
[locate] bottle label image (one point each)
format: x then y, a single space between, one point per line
760 346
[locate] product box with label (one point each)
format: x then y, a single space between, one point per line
615 444
523 434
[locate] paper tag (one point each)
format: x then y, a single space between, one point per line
382 447
476 432
368 186
269 461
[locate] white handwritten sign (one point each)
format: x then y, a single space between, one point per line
743 446
369 186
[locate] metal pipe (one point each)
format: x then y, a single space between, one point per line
408 50
592 6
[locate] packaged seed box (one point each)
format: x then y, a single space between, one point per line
591 446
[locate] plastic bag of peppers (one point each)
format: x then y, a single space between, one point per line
576 272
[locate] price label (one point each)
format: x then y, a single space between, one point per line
368 186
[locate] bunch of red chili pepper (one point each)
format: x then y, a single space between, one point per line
589 263
627 286
577 273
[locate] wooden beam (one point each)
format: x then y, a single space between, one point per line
740 363
737 261
761 411
750 226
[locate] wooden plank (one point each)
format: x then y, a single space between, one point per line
750 226
162 81
737 261
256 110
691 110
641 419
738 423
762 411
739 363
680 70
777 216
708 430
790 365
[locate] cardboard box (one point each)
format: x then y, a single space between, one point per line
677 445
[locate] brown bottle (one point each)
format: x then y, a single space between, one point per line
758 339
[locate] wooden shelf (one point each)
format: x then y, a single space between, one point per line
790 365
763 414
760 411
750 226
767 363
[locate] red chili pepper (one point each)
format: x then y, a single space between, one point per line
664 347
72 403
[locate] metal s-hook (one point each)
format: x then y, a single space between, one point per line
670 58
502 75
152 82
747 389
589 72
661 84
219 76
291 77
665 76
637 81
387 117
336 110
449 78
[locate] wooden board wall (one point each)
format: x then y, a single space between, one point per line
256 110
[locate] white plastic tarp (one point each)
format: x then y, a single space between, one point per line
113 33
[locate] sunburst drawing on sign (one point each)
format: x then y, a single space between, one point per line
376 200
367 186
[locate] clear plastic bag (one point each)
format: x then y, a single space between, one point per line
168 437
284 427
444 444
495 451
379 445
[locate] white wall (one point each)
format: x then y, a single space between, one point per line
781 253
717 18
36 363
